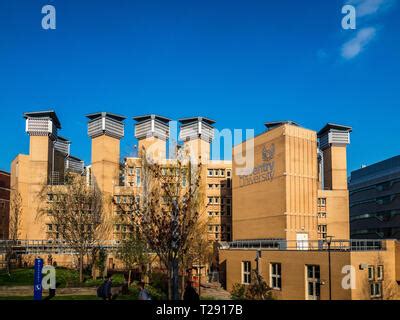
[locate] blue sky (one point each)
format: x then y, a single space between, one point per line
241 63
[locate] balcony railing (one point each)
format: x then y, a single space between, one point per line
308 245
49 246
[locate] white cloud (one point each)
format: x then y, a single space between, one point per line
354 46
369 7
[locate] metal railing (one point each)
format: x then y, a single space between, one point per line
49 246
308 245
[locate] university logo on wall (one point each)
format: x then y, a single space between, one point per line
268 153
262 172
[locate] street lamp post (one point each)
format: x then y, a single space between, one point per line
328 240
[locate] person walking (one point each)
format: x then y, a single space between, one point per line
190 293
104 291
143 294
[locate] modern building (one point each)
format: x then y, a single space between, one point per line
291 220
375 200
4 204
49 158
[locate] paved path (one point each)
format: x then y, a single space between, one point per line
214 290
28 290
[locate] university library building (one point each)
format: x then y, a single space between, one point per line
287 217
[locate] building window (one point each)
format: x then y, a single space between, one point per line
222 173
210 172
379 272
276 276
246 272
216 172
228 183
210 200
130 171
228 210
210 228
375 289
371 273
138 177
321 214
322 231
228 173
313 282
322 202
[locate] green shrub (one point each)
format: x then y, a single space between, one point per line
238 292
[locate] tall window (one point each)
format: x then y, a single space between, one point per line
379 273
321 204
138 177
246 272
371 273
276 276
375 289
322 231
313 282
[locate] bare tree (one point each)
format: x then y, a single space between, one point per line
14 227
75 212
133 253
166 210
200 251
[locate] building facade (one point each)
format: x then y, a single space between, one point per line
291 220
4 204
375 200
49 159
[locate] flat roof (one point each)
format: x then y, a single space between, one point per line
114 116
74 158
273 124
376 170
194 119
334 126
4 172
151 116
47 113
63 139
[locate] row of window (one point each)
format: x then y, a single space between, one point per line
218 200
222 185
126 199
220 213
218 228
218 173
313 278
224 236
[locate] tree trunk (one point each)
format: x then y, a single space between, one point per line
170 281
175 279
129 276
81 267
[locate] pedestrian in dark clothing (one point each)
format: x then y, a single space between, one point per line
190 293
104 291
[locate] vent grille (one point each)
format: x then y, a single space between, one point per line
334 137
41 127
107 126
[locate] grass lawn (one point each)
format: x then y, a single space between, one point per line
68 298
64 278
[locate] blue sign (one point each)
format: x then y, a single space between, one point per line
37 281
